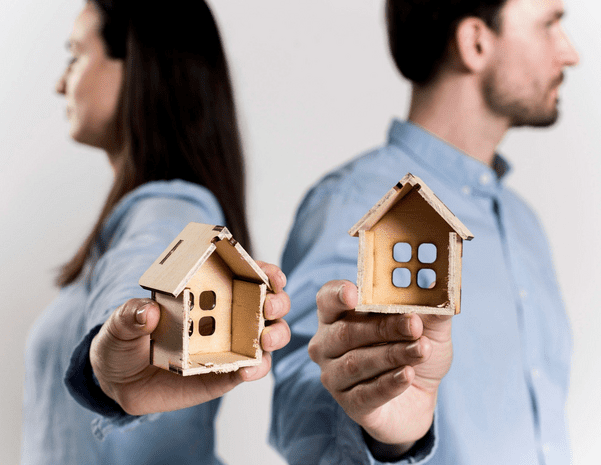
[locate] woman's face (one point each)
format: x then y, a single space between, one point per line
92 85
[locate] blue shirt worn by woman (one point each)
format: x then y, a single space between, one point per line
503 399
56 429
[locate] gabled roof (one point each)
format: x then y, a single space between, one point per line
394 195
172 270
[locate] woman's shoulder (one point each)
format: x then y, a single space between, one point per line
162 205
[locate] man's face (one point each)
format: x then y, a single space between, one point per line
531 50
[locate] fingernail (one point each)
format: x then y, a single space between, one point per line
141 315
250 371
414 349
400 376
406 327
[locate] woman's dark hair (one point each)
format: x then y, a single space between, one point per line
177 108
419 31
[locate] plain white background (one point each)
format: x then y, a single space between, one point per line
315 86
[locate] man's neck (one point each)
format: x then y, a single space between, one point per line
454 111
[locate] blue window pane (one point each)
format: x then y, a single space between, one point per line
401 277
401 252
426 253
426 278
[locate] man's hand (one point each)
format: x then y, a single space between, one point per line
120 355
383 369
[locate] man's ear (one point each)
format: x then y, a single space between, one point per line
474 44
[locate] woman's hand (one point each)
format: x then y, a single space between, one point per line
120 355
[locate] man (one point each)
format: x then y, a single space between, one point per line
382 387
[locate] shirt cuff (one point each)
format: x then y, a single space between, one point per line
351 435
83 385
85 389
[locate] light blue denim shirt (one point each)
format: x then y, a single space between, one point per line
56 429
503 399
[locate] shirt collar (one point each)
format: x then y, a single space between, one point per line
454 166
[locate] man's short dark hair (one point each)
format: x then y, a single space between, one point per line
419 31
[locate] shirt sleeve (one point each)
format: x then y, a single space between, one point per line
141 236
308 425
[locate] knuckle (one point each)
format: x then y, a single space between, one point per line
320 297
351 364
381 329
361 395
125 310
314 350
391 355
328 292
113 324
326 379
380 386
342 333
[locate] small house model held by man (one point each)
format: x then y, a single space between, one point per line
410 249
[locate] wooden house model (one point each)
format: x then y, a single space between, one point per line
211 294
410 249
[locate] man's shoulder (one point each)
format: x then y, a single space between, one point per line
364 178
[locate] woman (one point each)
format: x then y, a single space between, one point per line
148 84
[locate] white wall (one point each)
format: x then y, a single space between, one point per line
315 86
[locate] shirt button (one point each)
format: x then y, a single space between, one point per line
484 179
466 190
523 294
535 373
546 448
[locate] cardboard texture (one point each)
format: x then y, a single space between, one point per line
410 249
211 294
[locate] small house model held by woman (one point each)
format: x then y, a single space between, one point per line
211 294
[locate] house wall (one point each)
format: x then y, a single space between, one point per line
213 275
167 338
247 317
410 219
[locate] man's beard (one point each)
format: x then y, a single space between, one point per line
520 111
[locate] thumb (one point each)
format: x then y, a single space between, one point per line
334 299
135 318
437 327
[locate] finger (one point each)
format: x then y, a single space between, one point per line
166 391
256 372
277 278
275 336
368 396
134 319
334 299
276 306
365 364
437 327
361 330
